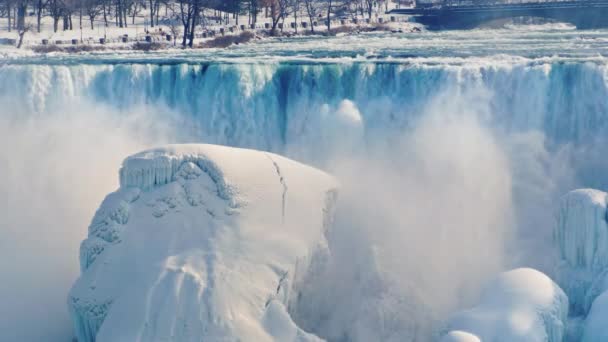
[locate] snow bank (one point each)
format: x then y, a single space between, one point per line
519 305
200 242
581 236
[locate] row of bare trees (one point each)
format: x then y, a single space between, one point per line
315 11
190 14
119 12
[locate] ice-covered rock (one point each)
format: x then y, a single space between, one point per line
598 286
519 305
581 237
574 328
200 242
596 323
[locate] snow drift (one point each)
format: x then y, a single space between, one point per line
519 305
201 242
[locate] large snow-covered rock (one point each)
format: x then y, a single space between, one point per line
581 237
522 305
200 242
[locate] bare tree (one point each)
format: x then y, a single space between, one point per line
191 13
56 9
21 13
278 12
93 9
329 11
253 6
312 10
22 31
8 7
296 8
135 8
195 13
175 30
121 13
369 7
154 8
40 4
186 12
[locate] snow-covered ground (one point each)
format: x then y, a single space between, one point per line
138 28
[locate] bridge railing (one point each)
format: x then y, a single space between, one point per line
482 3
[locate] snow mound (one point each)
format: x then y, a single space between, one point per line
519 305
581 237
459 336
201 242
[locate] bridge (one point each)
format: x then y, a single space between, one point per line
458 14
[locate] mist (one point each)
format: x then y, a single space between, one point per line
56 169
426 218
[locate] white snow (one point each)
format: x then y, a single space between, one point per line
199 243
137 28
581 236
519 305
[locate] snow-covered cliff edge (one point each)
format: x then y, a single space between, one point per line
200 242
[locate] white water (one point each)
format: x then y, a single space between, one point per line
451 160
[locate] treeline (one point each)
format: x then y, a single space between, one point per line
187 15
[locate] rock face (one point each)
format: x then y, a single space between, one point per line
200 242
581 237
519 305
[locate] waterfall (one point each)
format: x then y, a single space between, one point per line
270 106
529 130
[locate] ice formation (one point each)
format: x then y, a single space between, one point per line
596 323
581 237
264 106
519 305
201 242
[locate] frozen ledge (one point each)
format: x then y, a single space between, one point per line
152 168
